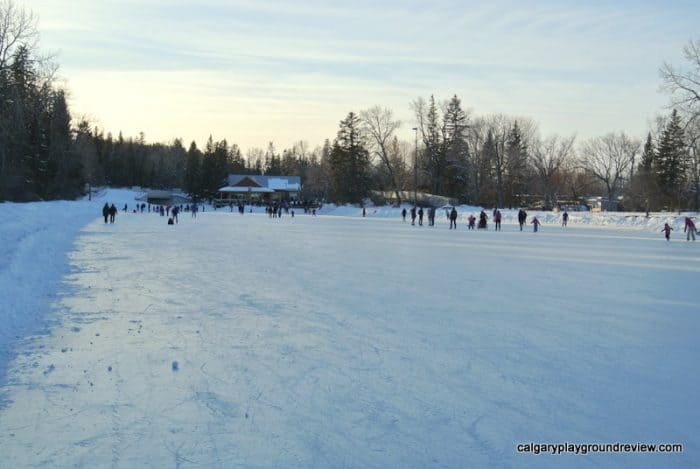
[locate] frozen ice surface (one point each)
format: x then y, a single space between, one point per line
346 342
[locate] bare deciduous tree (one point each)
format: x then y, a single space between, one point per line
609 159
684 84
18 27
380 126
549 158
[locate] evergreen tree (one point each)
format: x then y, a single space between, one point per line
516 167
487 192
273 162
672 162
193 172
647 162
66 171
434 156
644 186
349 163
214 168
235 163
457 174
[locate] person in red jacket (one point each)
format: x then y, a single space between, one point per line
667 231
689 229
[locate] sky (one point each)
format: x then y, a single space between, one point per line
256 71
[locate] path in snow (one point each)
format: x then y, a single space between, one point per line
338 342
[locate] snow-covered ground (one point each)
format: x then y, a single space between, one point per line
337 341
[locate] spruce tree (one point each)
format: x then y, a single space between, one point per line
644 187
487 192
516 167
457 173
349 163
672 162
193 171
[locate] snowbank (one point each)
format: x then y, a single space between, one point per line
34 241
628 220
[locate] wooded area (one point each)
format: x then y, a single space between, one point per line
493 160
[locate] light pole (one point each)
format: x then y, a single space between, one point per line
415 171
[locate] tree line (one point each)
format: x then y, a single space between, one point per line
493 160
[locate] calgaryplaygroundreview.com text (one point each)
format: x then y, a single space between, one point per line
585 448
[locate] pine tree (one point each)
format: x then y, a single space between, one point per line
214 168
644 187
647 162
516 167
672 162
273 162
457 168
349 163
487 192
66 168
193 172
434 155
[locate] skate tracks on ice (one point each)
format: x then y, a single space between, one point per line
330 342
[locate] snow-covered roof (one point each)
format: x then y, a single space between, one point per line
245 189
274 183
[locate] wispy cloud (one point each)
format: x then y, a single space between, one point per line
574 67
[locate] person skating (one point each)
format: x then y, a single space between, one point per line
535 224
522 217
431 216
564 219
112 213
497 220
175 211
105 211
453 218
472 222
667 231
403 214
413 216
482 220
420 216
689 229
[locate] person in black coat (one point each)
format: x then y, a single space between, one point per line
482 220
112 213
105 211
522 217
453 218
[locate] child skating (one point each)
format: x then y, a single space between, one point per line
667 231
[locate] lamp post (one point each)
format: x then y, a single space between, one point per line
415 170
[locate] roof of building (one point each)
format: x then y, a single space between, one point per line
245 189
274 183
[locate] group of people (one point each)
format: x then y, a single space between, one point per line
109 212
275 210
689 229
483 218
419 213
